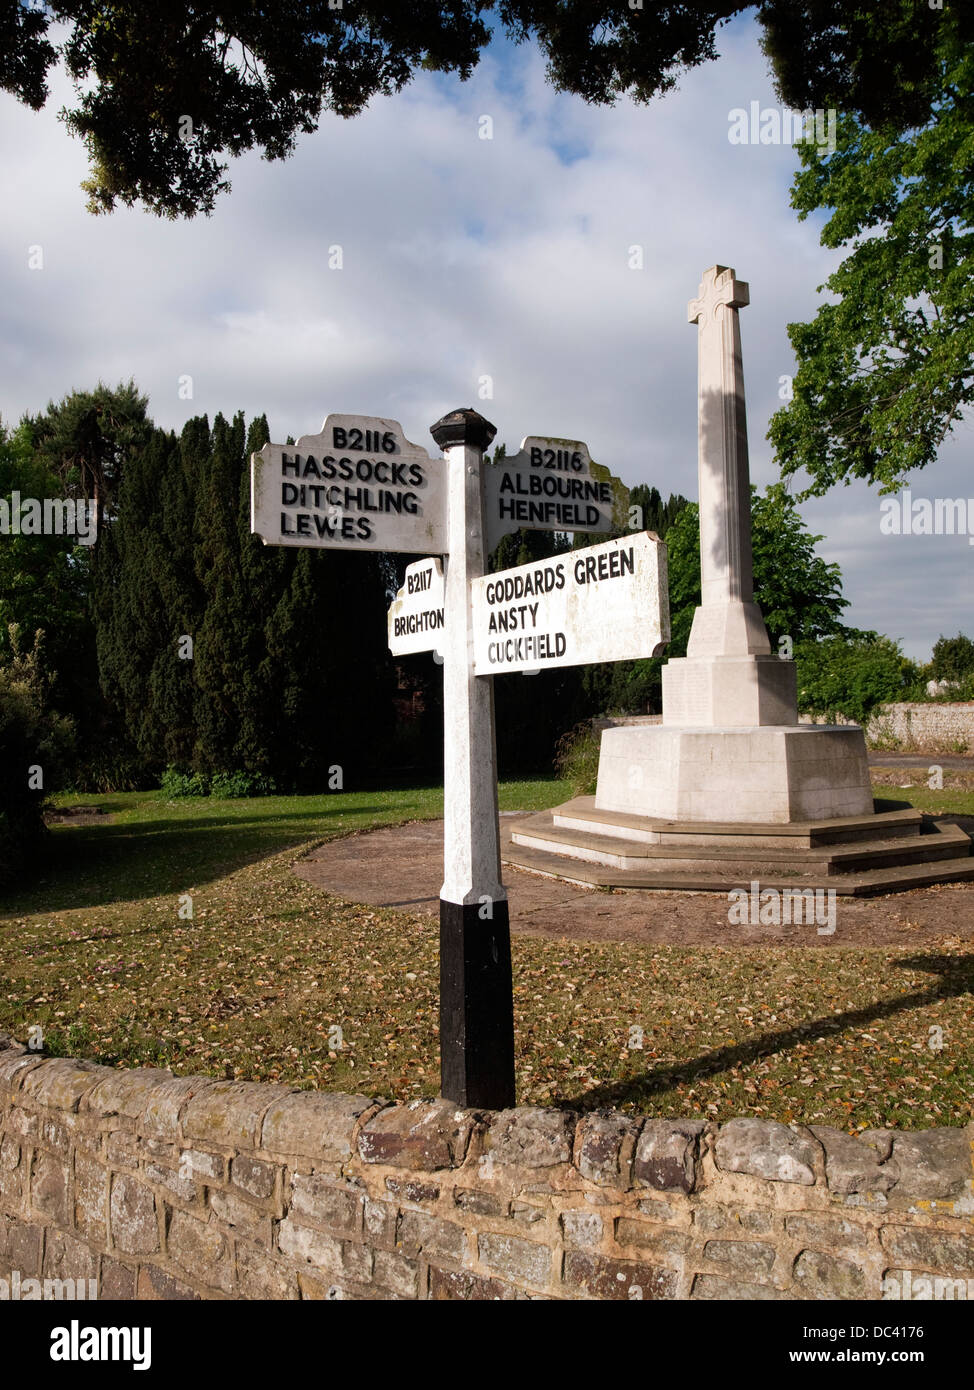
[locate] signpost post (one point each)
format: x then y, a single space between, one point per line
360 484
476 989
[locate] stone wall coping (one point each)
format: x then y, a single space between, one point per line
610 1149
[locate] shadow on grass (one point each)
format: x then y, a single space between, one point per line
956 978
91 865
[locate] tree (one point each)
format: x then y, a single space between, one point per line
953 658
35 748
224 656
224 717
878 61
886 367
147 600
84 443
42 577
165 93
45 593
851 674
799 593
84 439
655 514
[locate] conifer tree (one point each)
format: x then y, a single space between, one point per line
146 602
225 730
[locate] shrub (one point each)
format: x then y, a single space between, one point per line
850 674
224 785
232 784
577 757
175 782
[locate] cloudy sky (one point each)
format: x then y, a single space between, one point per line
465 258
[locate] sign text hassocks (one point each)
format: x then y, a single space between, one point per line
359 484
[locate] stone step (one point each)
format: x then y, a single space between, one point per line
539 832
664 877
892 820
938 843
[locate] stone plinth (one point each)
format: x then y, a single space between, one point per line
729 691
773 773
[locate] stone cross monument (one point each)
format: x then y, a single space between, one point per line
728 676
728 623
730 748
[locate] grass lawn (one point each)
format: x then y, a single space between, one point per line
256 984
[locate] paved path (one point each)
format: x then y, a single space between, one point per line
402 867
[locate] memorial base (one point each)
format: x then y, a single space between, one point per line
729 691
769 774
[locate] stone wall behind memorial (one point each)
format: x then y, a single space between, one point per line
930 726
163 1187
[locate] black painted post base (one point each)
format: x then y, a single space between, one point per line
476 1006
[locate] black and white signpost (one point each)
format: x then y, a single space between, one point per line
360 484
476 990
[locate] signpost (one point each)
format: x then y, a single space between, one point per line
360 484
476 988
417 612
605 603
552 485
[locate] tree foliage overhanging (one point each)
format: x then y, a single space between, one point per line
164 94
886 367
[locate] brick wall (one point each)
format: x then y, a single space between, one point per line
165 1187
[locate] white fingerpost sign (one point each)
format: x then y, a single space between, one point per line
417 612
607 602
476 988
359 484
552 485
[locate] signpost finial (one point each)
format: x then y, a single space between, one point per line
463 427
